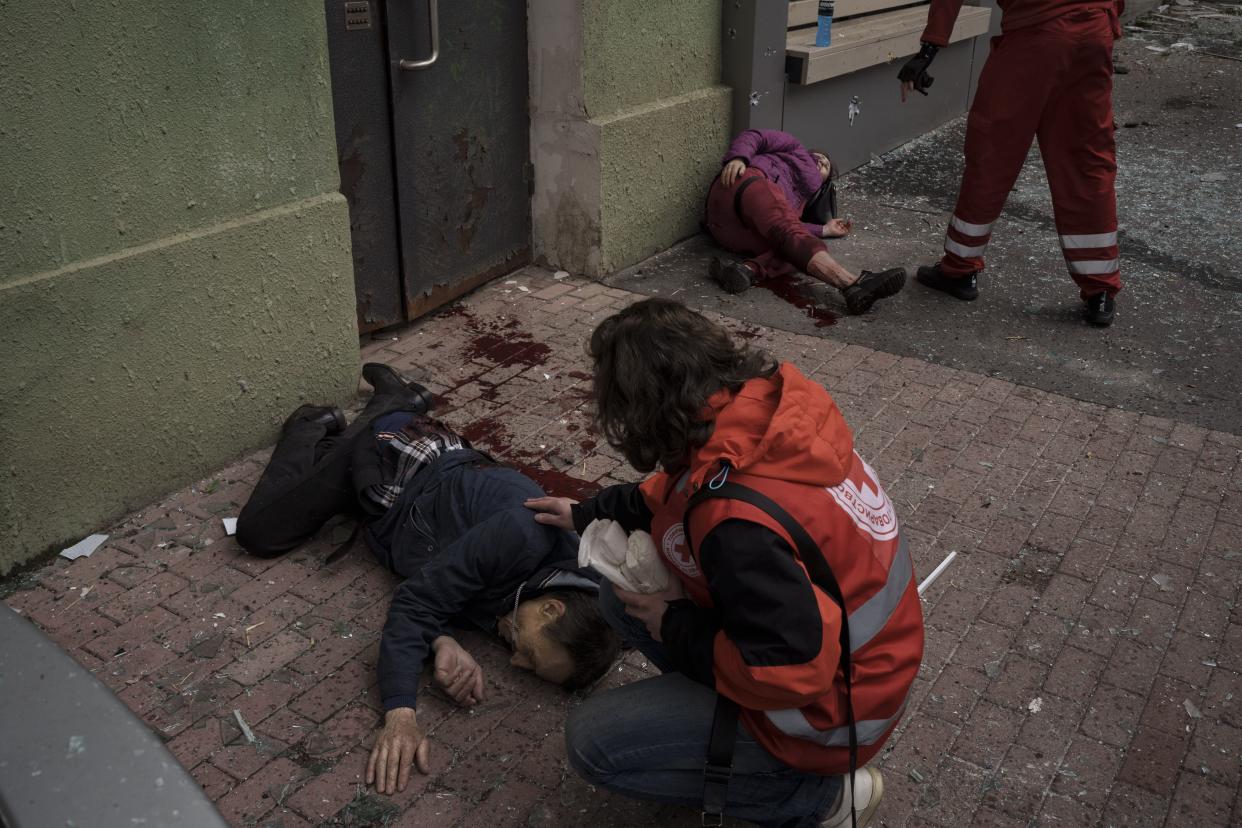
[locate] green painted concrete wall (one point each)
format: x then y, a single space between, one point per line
641 51
651 84
175 271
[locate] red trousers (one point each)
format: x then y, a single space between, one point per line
1052 81
761 226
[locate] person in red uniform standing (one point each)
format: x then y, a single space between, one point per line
797 608
1049 76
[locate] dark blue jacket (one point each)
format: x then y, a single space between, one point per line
464 543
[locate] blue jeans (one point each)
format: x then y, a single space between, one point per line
649 740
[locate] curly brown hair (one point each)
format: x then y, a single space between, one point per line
656 363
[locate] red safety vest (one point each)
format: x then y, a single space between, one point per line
784 437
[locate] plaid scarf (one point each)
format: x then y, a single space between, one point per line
405 451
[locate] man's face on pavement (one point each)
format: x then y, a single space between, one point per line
533 648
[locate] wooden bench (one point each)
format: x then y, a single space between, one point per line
864 33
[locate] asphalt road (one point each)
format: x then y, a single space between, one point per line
1174 350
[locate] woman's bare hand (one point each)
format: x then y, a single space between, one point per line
732 172
837 229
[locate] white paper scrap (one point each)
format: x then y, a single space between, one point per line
83 548
230 525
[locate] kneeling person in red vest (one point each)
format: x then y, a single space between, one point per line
791 575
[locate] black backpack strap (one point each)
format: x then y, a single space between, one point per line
718 769
741 188
821 575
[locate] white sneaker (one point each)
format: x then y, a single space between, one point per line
868 790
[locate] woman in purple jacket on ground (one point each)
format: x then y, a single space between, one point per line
755 208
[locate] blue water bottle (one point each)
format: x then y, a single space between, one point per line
823 35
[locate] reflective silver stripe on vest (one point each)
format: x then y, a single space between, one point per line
1088 268
969 229
681 482
793 723
1089 240
872 616
962 250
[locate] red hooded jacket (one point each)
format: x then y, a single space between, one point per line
1016 14
756 628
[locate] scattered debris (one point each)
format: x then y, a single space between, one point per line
1162 581
85 592
935 573
1213 176
915 775
1191 710
524 288
1036 705
245 728
230 525
77 746
248 629
992 669
83 548
560 274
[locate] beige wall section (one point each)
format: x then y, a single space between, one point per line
175 271
628 123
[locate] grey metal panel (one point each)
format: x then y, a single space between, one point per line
360 104
753 60
72 754
818 115
462 137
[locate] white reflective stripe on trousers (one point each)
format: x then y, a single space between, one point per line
1093 267
962 250
1089 240
969 229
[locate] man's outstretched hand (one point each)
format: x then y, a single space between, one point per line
457 673
553 511
399 744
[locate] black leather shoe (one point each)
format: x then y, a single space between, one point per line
333 419
860 296
386 381
733 277
965 288
1100 309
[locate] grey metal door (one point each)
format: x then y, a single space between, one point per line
433 136
461 134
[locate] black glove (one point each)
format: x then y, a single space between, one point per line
915 70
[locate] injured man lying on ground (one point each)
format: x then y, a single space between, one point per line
451 522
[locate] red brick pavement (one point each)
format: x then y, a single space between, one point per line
1084 653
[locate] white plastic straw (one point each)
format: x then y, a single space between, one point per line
930 579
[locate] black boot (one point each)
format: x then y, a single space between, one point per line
333 419
734 277
1099 309
387 382
861 295
962 287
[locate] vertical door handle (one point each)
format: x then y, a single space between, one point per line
432 13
